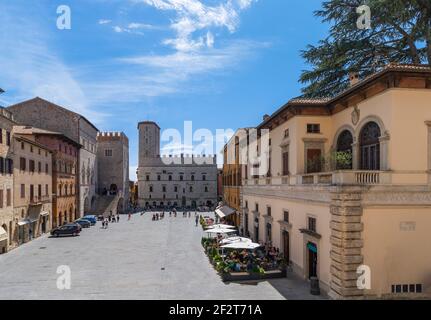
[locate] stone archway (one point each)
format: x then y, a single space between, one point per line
113 189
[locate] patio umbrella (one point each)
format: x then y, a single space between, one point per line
234 239
242 245
222 226
219 231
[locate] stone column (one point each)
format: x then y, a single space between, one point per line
384 151
355 156
346 242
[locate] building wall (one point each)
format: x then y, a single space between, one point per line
88 171
395 247
113 164
24 205
46 115
6 180
299 211
65 178
380 223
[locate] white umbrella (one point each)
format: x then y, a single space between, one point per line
222 226
242 245
219 231
234 239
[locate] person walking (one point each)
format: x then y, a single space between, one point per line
130 216
118 218
197 220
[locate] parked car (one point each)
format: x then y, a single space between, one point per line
71 229
83 223
91 218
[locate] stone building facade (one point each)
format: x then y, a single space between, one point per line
348 189
6 181
32 191
46 115
65 153
180 181
232 175
113 164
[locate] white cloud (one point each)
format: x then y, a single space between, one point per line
104 21
193 16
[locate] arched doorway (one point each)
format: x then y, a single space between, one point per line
344 150
113 189
369 140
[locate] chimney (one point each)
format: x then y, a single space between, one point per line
354 78
266 117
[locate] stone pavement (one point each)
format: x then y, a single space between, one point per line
136 259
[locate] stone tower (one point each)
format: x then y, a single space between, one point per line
149 141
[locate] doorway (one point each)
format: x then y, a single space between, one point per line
286 246
312 260
256 230
314 163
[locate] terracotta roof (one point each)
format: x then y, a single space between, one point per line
28 130
323 101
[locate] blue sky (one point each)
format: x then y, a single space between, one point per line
219 63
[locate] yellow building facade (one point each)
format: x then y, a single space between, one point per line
347 198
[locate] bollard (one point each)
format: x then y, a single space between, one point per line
314 286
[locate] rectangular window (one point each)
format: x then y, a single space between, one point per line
246 204
312 224
22 191
7 138
39 191
46 168
31 166
1 135
268 211
148 178
256 207
9 166
1 199
46 190
286 216
313 128
39 167
22 164
285 163
108 153
2 164
8 198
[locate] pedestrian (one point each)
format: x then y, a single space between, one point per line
130 215
118 218
30 233
106 223
190 214
197 220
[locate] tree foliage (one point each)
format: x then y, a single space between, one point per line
400 33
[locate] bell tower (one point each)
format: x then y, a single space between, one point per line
149 141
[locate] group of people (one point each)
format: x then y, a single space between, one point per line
112 218
157 217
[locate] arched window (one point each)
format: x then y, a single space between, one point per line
369 140
344 151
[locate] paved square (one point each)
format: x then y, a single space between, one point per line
136 259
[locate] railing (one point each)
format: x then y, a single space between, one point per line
367 177
35 200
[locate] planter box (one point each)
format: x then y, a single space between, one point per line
245 276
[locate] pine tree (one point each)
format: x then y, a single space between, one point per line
400 33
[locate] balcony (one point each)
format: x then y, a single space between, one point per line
347 177
37 200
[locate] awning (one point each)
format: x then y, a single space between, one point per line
44 213
3 234
224 211
23 222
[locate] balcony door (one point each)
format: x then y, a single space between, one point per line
314 163
370 146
